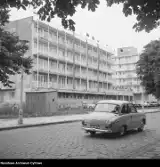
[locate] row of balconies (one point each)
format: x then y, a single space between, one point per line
125 76
82 63
77 74
125 69
125 83
56 69
84 76
81 50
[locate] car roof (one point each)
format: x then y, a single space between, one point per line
119 102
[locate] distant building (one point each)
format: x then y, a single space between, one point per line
73 65
125 73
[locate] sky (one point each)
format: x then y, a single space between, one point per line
106 24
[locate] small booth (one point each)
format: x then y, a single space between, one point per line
41 102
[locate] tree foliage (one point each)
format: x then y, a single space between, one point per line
146 11
12 51
148 68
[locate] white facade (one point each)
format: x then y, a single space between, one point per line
125 73
65 61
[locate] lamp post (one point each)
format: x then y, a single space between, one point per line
142 99
20 118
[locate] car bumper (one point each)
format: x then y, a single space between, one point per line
96 130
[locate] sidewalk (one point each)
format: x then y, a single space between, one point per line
7 124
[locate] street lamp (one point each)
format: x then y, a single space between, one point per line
20 118
142 99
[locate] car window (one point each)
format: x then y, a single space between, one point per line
106 107
125 109
132 108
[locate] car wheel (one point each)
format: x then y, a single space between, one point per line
92 133
122 131
141 128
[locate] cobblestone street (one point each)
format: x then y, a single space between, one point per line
70 141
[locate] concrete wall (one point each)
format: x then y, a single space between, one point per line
23 29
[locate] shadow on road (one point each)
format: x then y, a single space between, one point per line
115 136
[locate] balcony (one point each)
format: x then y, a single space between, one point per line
77 49
69 46
53 70
92 89
69 59
62 72
69 86
69 73
61 58
83 63
83 75
91 65
53 55
93 78
77 75
78 62
83 51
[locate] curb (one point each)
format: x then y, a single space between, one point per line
49 123
36 125
152 112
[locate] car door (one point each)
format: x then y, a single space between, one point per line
135 117
126 117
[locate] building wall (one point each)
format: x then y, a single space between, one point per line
63 60
72 63
125 72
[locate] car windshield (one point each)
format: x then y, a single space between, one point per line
107 107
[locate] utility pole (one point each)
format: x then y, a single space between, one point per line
98 66
20 118
74 67
142 99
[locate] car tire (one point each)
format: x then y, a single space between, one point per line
141 128
122 131
92 133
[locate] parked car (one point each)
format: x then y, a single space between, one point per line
154 104
88 105
146 104
138 106
114 116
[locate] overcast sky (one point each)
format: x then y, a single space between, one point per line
109 25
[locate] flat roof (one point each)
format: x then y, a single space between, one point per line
120 102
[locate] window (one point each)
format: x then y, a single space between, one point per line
132 108
105 107
125 109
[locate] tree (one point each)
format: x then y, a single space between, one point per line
147 11
12 51
148 68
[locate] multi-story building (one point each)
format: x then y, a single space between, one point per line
125 73
73 65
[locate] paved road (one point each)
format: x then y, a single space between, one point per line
69 141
